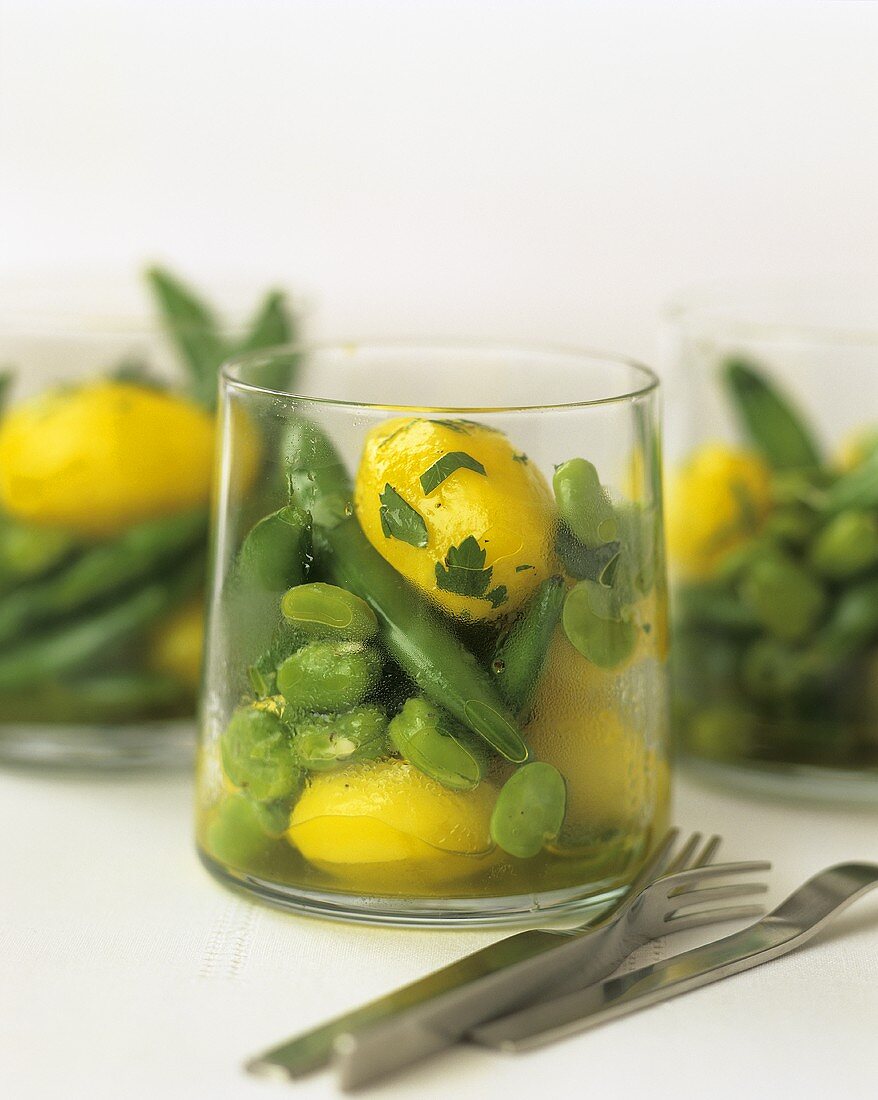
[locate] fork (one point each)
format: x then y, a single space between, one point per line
495 968
577 958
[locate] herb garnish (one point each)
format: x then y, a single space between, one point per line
399 520
464 573
445 466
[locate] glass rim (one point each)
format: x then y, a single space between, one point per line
650 379
725 304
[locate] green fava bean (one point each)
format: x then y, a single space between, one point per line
257 755
437 745
320 611
594 624
846 546
235 836
328 675
783 596
328 741
583 503
529 810
277 549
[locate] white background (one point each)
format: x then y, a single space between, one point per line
545 170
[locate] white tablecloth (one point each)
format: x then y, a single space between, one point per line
127 972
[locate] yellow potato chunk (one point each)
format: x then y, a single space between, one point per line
716 502
178 642
614 779
477 543
104 456
386 812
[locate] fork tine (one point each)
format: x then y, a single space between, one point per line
714 916
692 878
715 893
708 851
684 858
656 862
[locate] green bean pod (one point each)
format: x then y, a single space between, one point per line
411 630
437 745
75 644
277 549
769 419
133 557
519 658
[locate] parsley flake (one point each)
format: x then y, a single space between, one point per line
464 573
445 466
399 520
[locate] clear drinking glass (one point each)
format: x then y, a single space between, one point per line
772 522
100 624
107 444
435 675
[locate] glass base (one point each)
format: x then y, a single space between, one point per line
574 905
791 781
158 744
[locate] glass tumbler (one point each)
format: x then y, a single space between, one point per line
435 676
772 523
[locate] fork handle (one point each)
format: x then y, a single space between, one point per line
314 1049
438 1023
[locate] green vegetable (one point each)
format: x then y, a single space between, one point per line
193 329
27 553
101 571
520 656
846 546
858 488
316 483
853 621
73 645
7 377
783 596
464 573
722 732
276 552
581 562
437 745
445 466
411 630
769 419
272 326
235 835
597 626
257 755
109 697
324 742
320 611
772 670
328 675
713 605
399 520
529 811
584 504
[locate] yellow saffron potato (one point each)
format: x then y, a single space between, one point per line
102 457
477 543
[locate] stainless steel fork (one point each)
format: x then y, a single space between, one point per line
669 904
497 968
